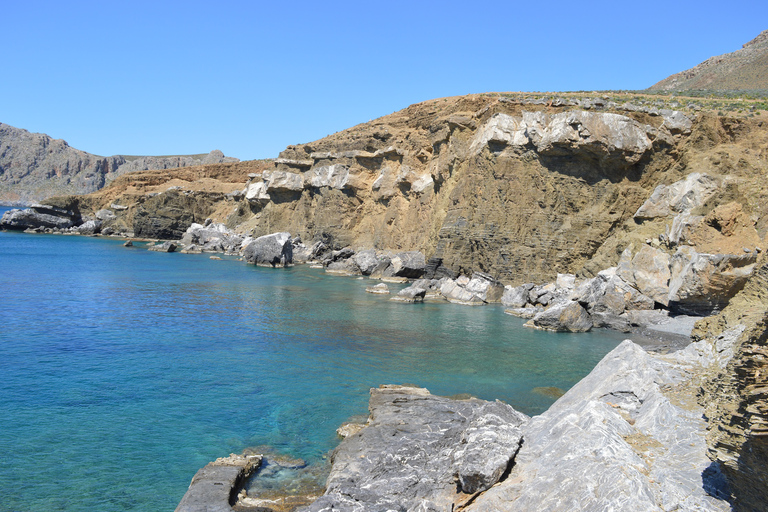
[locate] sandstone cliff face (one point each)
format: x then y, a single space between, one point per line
34 166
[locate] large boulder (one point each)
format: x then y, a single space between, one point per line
567 316
410 264
419 451
369 260
650 273
37 216
485 287
702 284
516 297
273 250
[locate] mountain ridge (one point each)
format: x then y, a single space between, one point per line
34 166
745 69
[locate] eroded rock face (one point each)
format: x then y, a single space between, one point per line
605 136
38 216
681 196
702 284
415 449
615 441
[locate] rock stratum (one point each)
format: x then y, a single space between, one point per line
34 166
743 70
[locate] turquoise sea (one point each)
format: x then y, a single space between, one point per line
123 371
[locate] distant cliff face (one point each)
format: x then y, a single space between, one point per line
34 166
744 69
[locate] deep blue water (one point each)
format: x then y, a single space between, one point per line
123 371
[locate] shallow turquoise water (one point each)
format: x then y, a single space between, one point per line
123 371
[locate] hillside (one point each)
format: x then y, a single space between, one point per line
745 69
34 166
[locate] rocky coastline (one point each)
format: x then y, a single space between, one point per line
573 214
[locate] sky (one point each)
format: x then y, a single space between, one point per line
251 77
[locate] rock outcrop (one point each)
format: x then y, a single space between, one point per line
214 488
419 451
628 436
273 250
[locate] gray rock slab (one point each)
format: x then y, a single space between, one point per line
214 487
416 448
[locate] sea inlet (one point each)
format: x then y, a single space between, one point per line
123 371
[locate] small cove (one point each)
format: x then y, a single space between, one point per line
124 371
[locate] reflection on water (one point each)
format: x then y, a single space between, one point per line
132 369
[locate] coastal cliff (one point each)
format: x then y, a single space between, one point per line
521 189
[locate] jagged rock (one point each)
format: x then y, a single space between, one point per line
212 237
454 292
89 227
256 193
213 487
616 441
163 247
650 273
333 176
315 252
380 288
516 297
702 284
368 260
414 449
565 316
605 136
410 294
346 267
38 216
105 215
676 122
681 196
485 287
273 250
410 264
283 181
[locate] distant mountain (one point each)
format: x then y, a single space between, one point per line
34 166
742 70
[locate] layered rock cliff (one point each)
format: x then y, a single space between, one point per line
521 190
34 166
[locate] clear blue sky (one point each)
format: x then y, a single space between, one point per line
249 78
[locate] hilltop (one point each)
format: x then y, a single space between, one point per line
745 69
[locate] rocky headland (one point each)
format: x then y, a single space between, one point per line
574 211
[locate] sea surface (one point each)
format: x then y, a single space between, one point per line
123 371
